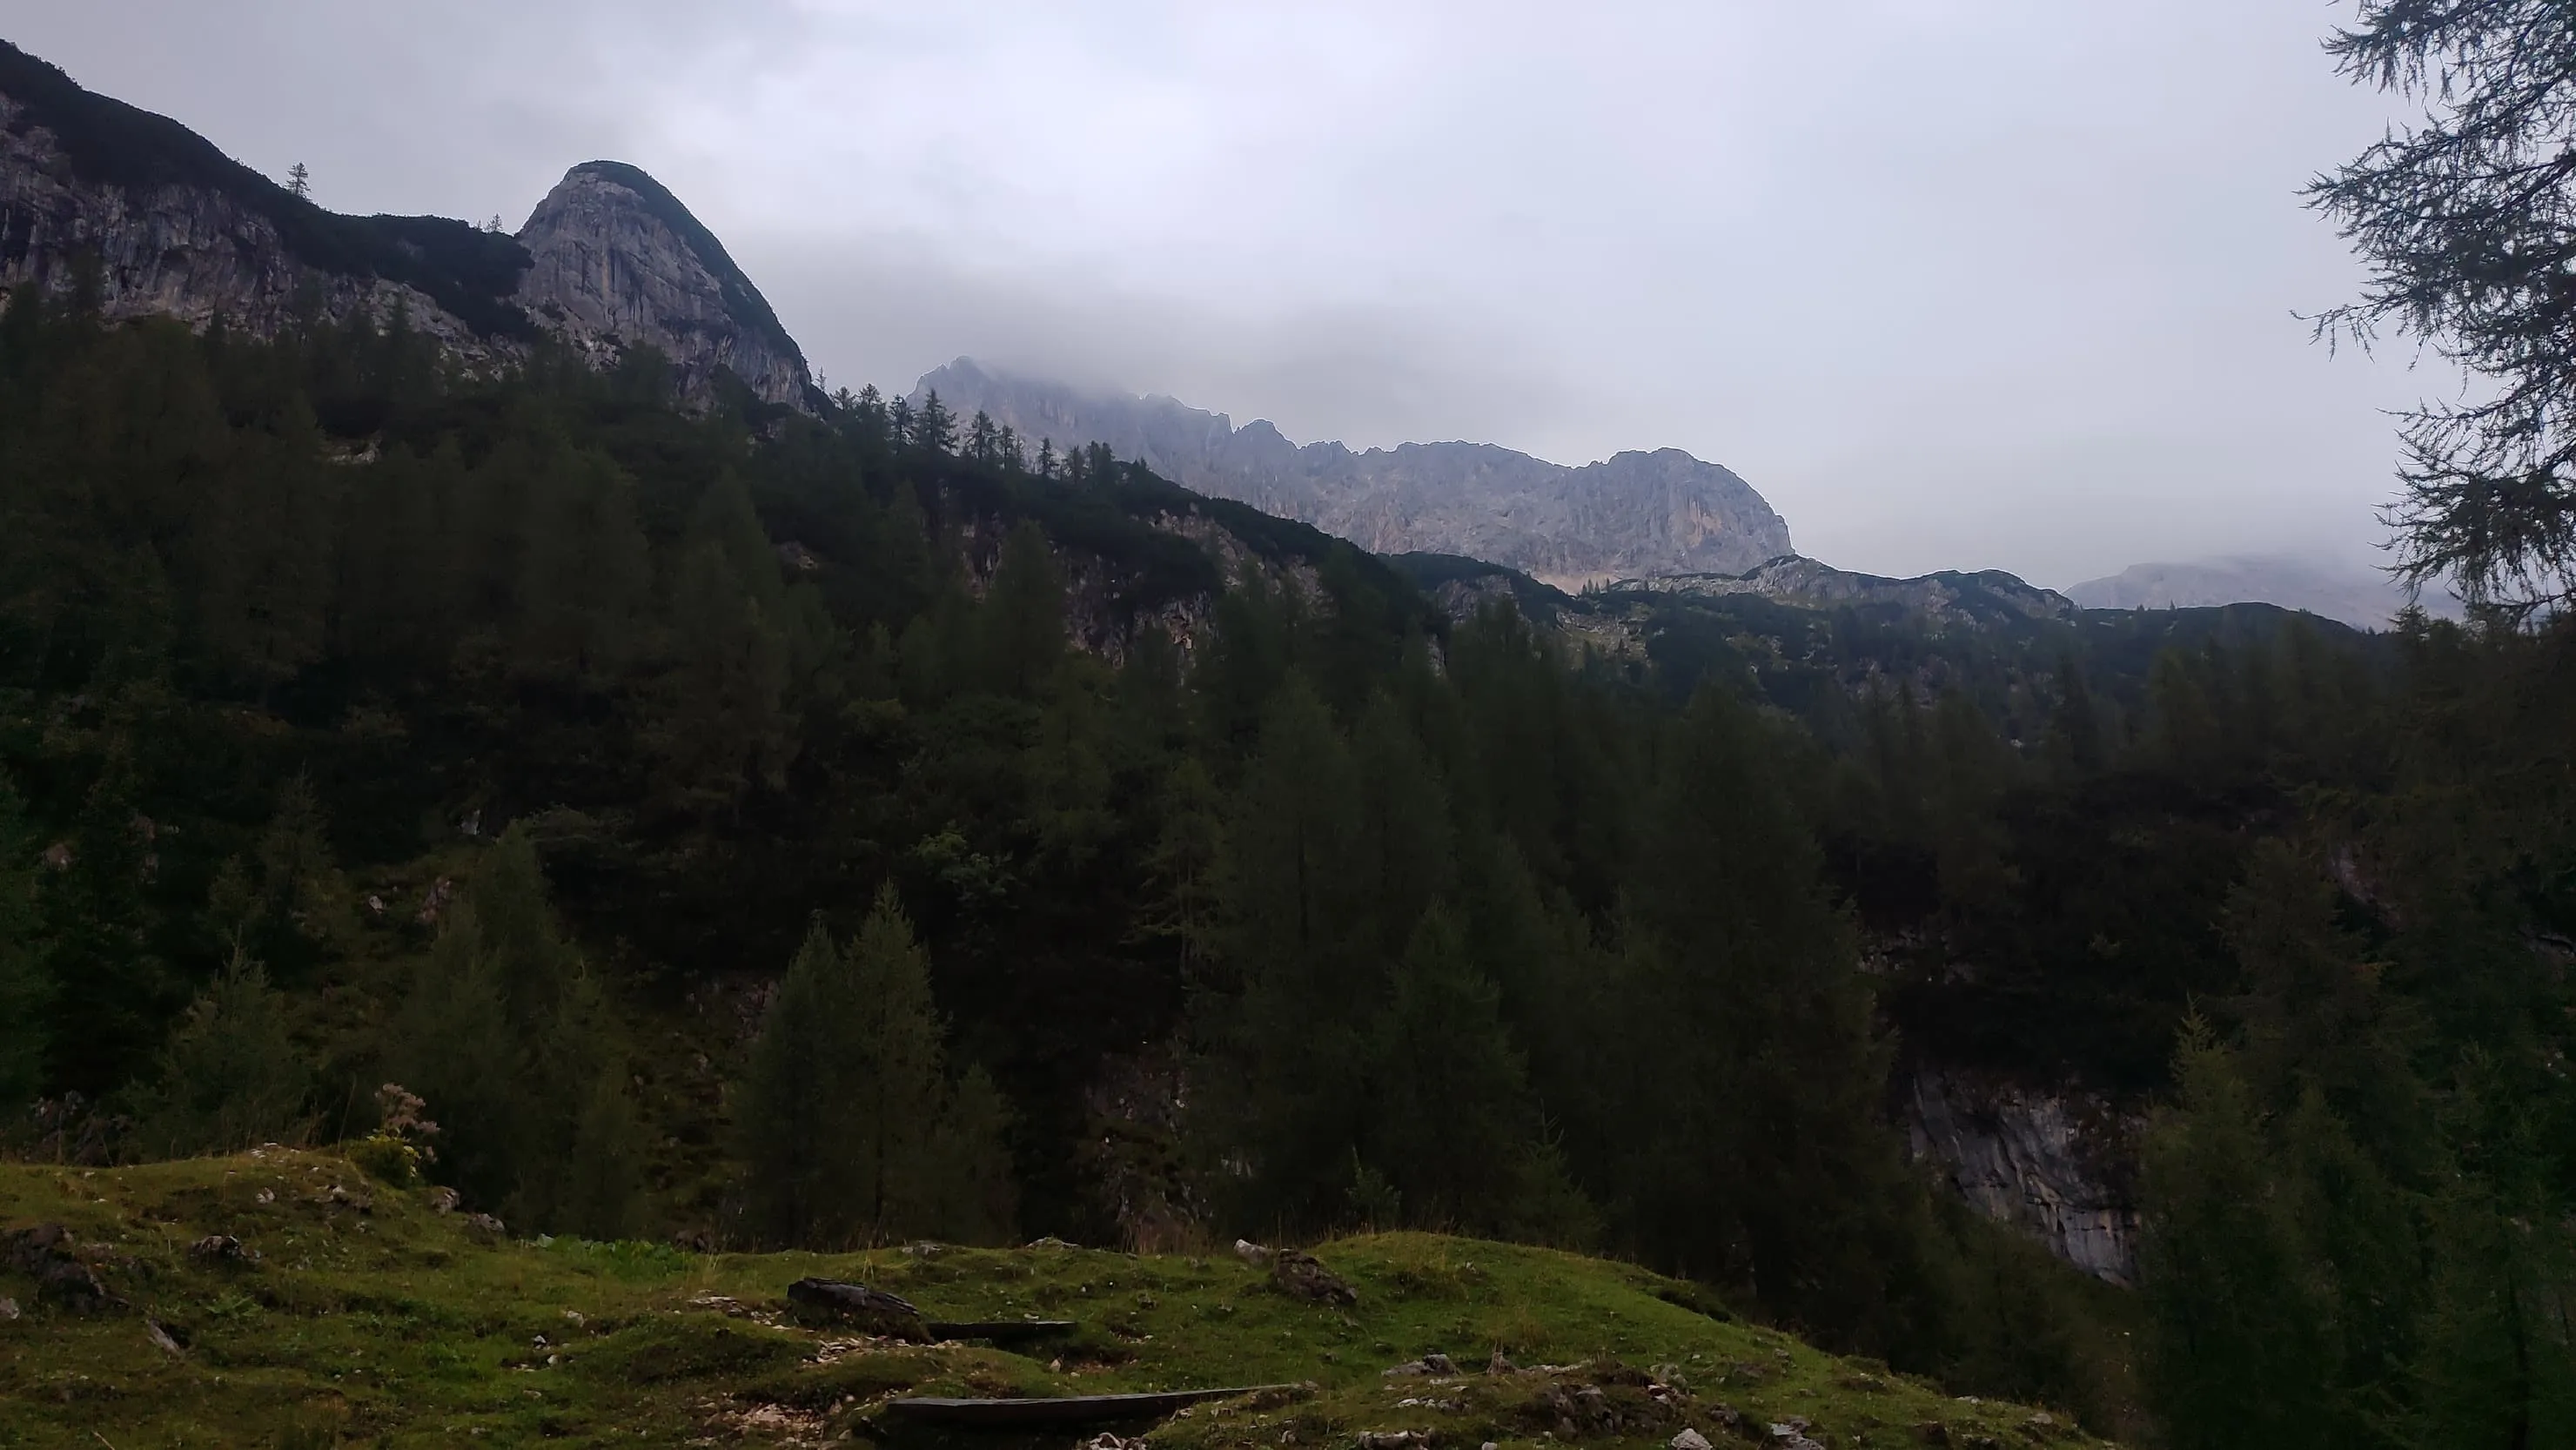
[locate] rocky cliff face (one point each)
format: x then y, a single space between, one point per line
609 261
172 226
618 262
1637 513
2054 1164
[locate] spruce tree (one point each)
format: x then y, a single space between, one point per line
789 1117
849 1131
1451 1124
2238 1356
1286 1011
1023 625
230 1077
1767 1162
25 993
514 1046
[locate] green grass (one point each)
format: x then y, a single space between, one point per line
395 1326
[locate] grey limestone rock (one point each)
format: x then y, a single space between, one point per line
2056 1164
1636 513
618 263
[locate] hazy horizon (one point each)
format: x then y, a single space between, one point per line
1955 285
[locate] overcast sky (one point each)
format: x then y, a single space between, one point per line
1955 283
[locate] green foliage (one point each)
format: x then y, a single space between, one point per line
509 1039
847 1125
24 988
231 1077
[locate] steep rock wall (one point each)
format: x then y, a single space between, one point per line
2056 1164
619 263
189 252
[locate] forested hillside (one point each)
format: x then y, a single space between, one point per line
828 831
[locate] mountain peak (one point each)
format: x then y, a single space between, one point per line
618 261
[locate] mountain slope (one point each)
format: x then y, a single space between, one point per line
175 226
348 1308
1637 513
166 224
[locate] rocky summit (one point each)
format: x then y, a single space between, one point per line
1663 512
616 261
155 220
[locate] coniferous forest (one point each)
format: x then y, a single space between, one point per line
783 830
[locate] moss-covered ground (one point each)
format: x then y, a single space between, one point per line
370 1318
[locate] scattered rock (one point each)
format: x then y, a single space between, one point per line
1301 1276
873 1310
45 1253
485 1228
1691 1440
8 1309
444 1200
162 1339
1108 1441
1251 1253
222 1249
1050 1242
1429 1364
1393 1439
362 1201
1499 1364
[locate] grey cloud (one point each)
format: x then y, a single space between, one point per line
1955 282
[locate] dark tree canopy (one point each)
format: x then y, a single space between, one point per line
2467 221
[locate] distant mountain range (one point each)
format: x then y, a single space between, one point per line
166 223
2353 594
1663 512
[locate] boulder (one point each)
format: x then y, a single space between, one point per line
1302 1276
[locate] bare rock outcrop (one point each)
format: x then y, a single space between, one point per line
2057 1164
1637 513
617 263
160 222
1950 597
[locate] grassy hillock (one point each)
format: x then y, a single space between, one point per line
369 1317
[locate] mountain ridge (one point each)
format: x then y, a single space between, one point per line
156 219
1636 512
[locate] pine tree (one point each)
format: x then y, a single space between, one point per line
299 180
977 1198
1766 1162
515 1048
2238 1356
892 1075
1451 1125
25 994
1286 1013
1022 619
934 428
849 1131
584 576
800 1179
230 1077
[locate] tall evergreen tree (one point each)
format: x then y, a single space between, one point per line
850 1131
25 993
230 1077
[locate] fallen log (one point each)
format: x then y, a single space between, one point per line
1066 1410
